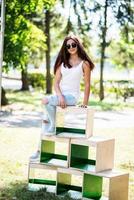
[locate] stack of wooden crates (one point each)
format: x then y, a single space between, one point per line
74 161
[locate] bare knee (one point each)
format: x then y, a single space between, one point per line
45 100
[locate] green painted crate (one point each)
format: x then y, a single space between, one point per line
55 151
94 154
41 176
69 182
106 185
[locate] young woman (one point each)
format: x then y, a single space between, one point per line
71 65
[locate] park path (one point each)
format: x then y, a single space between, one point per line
102 119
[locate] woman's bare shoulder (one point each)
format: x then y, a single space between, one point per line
86 63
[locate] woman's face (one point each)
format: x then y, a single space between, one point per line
71 46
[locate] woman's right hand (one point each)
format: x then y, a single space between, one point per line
62 102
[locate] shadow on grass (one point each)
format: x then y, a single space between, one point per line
25 97
19 191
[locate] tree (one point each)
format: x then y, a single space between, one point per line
122 51
47 32
122 55
22 38
103 47
82 23
45 22
104 24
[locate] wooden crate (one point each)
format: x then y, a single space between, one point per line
41 176
115 189
55 151
92 186
69 182
74 122
95 154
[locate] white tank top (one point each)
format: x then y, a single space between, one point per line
71 77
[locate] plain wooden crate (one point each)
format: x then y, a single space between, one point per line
81 154
42 176
55 151
74 122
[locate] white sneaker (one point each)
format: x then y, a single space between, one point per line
35 156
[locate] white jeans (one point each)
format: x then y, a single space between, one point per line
50 107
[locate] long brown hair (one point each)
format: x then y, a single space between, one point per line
63 56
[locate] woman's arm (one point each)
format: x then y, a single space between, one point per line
57 80
87 76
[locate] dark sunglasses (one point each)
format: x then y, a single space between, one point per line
73 45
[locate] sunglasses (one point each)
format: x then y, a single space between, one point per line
73 45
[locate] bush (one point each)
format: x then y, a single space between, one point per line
121 88
118 88
37 80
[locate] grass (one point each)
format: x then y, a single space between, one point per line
106 105
33 101
19 191
25 100
18 143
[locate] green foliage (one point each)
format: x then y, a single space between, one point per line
125 12
37 80
95 87
122 52
48 4
120 88
23 40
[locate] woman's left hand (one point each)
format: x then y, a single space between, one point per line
83 106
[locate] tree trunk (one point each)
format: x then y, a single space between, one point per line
24 79
4 100
47 33
101 75
103 47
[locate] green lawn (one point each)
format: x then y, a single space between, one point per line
18 143
33 101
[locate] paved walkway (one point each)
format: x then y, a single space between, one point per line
103 119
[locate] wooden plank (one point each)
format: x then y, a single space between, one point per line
92 141
89 123
105 155
42 166
70 171
55 138
75 109
107 173
118 187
